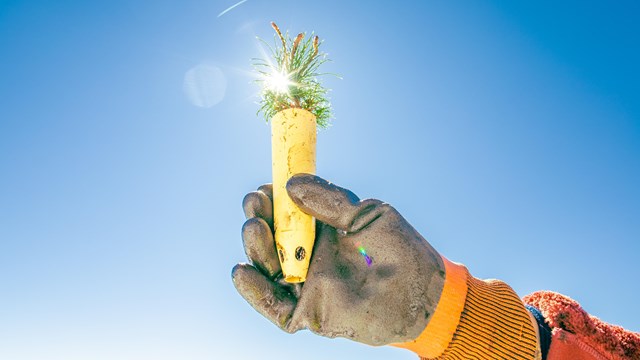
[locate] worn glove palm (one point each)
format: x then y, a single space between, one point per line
389 301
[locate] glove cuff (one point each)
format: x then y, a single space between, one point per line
476 319
438 334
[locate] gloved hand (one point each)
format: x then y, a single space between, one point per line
390 301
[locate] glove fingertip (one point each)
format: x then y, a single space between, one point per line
325 201
267 189
249 282
263 295
258 204
297 183
236 272
260 246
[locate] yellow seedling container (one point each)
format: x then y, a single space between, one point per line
293 150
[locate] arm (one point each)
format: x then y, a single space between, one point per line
407 295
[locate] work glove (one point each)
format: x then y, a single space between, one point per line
372 277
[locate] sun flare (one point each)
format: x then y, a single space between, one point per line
278 82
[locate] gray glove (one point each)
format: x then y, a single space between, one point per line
389 301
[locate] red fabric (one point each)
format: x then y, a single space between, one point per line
565 345
578 335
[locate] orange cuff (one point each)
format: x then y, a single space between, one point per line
438 334
477 319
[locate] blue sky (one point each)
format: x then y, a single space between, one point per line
507 134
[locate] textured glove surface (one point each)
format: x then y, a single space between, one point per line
389 301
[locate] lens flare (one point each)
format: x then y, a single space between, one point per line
363 252
204 85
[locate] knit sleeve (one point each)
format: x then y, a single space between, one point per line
489 322
572 324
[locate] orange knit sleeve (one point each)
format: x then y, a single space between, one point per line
476 319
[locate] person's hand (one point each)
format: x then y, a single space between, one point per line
389 301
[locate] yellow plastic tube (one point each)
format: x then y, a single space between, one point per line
293 151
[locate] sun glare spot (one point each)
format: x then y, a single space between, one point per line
278 82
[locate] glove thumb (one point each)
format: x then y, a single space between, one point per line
331 204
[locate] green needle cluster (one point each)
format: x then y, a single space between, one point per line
295 70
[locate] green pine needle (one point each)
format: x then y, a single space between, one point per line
291 81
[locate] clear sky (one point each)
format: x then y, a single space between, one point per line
507 134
